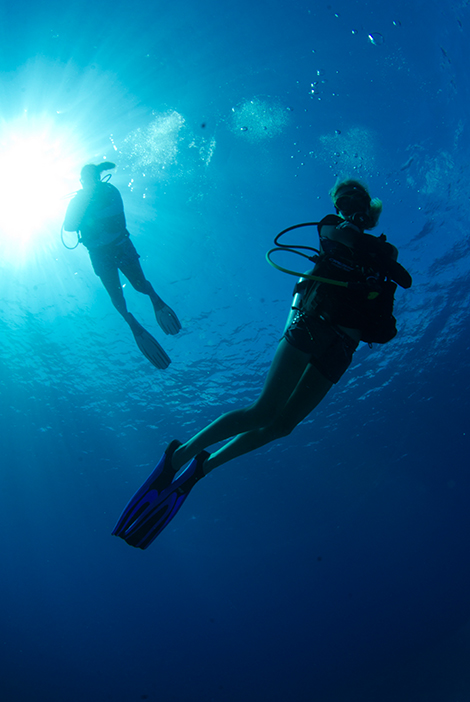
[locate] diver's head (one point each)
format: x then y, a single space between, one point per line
90 175
353 202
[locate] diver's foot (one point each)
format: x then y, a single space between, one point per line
179 458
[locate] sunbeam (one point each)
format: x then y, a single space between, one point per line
38 168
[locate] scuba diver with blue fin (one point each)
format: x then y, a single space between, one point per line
346 298
97 214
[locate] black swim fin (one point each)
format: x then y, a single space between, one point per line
149 346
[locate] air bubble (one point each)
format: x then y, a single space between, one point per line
376 39
259 119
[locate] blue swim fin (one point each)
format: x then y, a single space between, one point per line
157 481
157 510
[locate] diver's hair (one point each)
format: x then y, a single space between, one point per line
92 172
370 216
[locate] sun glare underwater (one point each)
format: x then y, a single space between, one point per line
36 174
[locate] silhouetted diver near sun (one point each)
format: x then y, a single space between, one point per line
97 213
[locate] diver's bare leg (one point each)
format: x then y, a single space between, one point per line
165 316
310 391
135 275
111 282
286 370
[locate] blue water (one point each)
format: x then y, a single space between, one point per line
331 566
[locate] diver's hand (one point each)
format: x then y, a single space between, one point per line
168 320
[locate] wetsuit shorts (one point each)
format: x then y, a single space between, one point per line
330 349
118 254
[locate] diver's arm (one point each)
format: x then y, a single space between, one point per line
400 275
395 270
75 213
109 203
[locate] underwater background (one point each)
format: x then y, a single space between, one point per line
331 566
